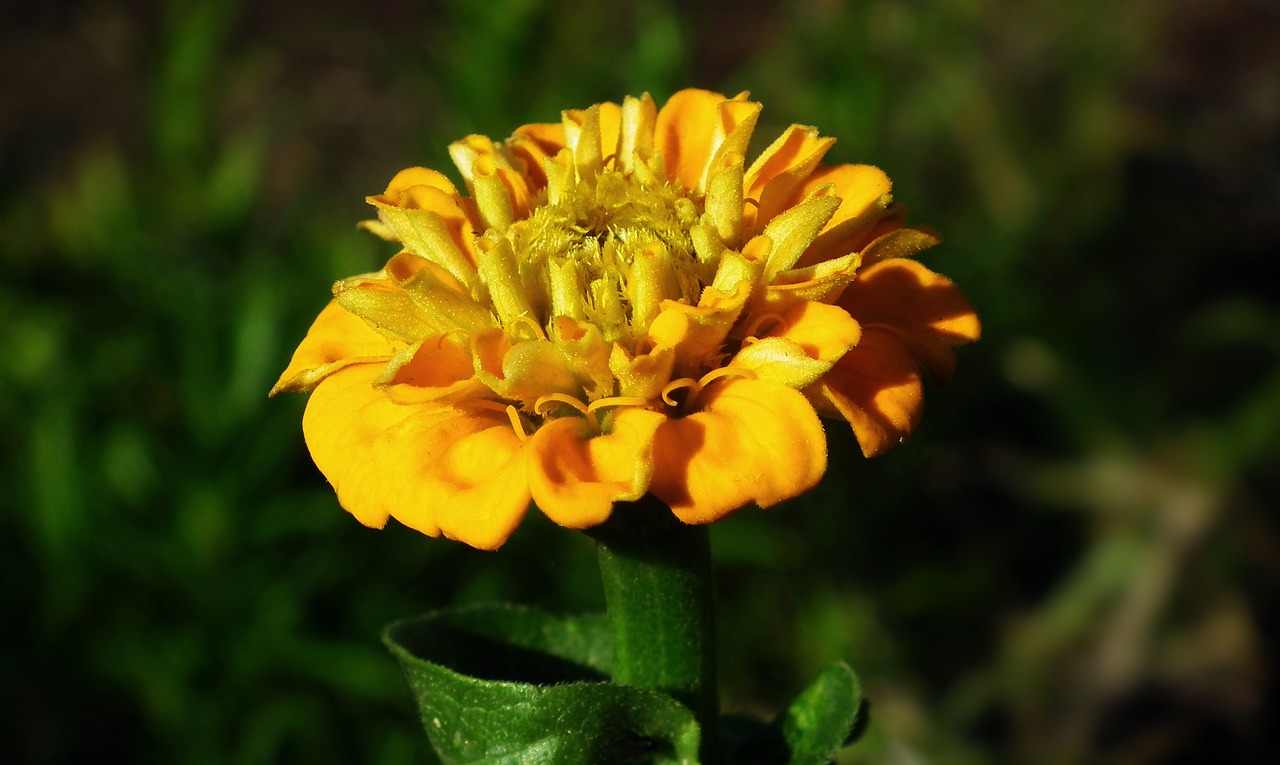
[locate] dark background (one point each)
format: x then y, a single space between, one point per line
1075 560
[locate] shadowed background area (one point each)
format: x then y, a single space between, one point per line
1075 560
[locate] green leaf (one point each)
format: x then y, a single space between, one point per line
503 684
821 720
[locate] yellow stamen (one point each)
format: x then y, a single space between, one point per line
517 424
716 374
675 385
601 403
526 321
544 403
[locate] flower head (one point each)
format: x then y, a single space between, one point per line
621 305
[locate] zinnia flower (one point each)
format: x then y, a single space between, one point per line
620 305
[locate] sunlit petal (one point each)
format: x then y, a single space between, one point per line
750 441
576 475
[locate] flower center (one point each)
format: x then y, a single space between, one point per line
608 248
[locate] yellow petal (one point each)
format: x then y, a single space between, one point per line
819 282
636 125
864 200
773 178
926 309
876 387
780 360
824 331
337 338
736 268
586 353
479 486
524 371
582 135
500 273
388 309
792 231
643 376
733 135
724 198
444 305
487 349
466 153
696 333
445 239
575 476
610 117
417 190
371 450
492 190
438 370
898 243
799 344
753 441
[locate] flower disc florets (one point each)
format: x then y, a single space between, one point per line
606 249
620 305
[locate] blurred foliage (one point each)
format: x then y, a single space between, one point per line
1077 558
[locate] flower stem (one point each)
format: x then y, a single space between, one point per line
659 591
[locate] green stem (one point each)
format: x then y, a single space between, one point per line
659 591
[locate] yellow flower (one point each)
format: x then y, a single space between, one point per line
620 305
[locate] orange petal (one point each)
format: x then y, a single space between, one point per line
576 477
438 370
876 387
773 178
610 128
753 441
410 177
926 309
686 126
403 265
479 488
691 127
864 201
798 345
825 332
531 145
372 450
336 339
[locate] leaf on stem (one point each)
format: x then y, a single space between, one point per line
822 719
501 684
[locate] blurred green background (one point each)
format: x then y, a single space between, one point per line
1076 559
